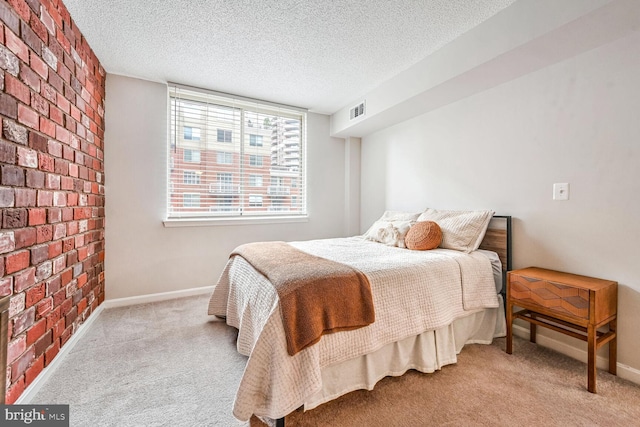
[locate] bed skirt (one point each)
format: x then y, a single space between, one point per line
427 352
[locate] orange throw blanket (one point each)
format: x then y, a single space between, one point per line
317 296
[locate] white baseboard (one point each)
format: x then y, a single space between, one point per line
35 386
623 371
163 296
30 392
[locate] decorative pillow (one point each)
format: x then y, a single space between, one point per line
390 233
391 228
423 236
461 230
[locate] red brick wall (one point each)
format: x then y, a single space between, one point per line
51 182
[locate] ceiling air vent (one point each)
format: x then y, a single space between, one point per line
357 111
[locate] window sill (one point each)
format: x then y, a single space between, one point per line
209 222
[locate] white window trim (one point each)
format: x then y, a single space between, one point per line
244 220
257 218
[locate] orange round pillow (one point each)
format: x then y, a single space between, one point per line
423 235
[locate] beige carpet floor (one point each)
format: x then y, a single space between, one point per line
169 364
487 387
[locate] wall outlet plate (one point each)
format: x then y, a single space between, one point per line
561 191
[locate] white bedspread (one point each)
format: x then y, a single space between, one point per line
413 291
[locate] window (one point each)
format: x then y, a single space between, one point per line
191 133
278 189
225 177
255 140
255 200
224 135
225 204
261 169
191 200
191 177
255 180
191 156
224 183
255 160
277 204
225 158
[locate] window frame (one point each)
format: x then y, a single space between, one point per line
191 156
224 132
253 180
191 133
191 194
256 160
193 177
258 200
224 155
255 140
294 208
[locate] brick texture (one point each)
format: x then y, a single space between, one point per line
52 90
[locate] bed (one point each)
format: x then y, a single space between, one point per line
428 305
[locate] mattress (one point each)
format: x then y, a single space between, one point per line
496 267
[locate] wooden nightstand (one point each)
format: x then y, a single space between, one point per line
567 303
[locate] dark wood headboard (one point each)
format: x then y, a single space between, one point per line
498 239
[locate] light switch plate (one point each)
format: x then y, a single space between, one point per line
561 191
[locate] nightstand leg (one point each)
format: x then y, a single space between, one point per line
509 309
591 365
613 348
532 330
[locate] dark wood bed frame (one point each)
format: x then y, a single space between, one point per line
496 239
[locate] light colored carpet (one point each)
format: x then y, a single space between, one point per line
168 364
158 364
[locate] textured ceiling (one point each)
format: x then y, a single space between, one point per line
319 54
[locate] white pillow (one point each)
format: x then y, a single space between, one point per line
399 216
392 227
390 233
461 230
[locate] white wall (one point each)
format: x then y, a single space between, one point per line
142 256
578 122
526 36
